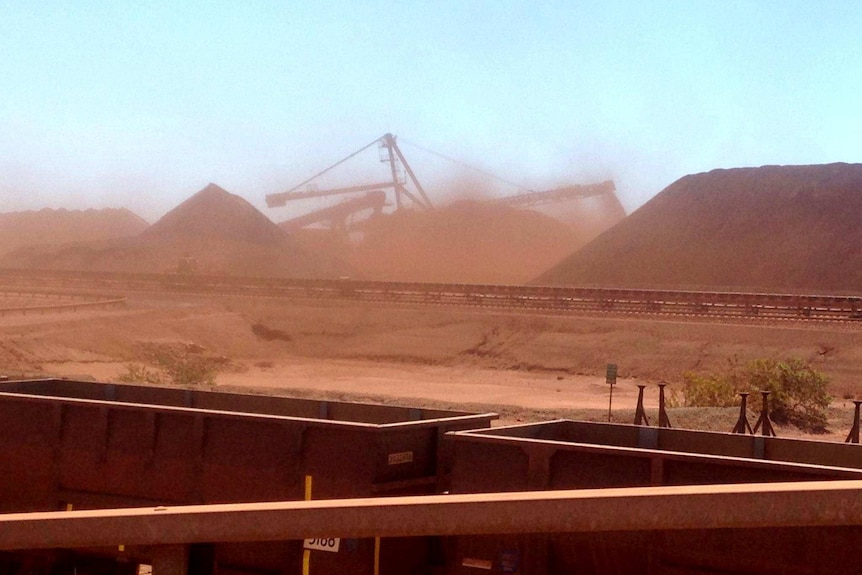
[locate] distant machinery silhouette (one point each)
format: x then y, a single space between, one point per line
401 174
389 153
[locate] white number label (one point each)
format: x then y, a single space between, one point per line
332 544
400 457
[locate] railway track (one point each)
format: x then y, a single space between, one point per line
544 299
23 301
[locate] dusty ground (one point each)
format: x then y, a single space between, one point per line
525 366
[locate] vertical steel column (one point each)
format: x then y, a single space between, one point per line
426 202
389 141
853 436
171 560
539 477
56 453
105 432
199 438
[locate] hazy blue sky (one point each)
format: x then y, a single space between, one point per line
107 104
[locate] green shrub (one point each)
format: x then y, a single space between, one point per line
137 373
185 369
170 365
797 391
709 390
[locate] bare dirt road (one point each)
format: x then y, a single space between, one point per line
409 384
524 365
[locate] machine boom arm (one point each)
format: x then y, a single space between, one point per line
394 157
559 194
278 200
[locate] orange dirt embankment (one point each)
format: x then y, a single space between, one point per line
415 355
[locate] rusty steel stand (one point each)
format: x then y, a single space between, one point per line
763 422
742 426
640 414
663 420
853 436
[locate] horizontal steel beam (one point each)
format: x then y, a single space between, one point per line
476 420
557 194
747 506
278 200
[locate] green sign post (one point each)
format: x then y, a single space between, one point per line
611 378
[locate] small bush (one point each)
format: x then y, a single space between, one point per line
137 373
187 369
708 390
797 392
168 365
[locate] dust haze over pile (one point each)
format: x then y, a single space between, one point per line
140 190
466 185
468 238
48 226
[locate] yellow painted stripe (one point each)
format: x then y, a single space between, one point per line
377 556
306 553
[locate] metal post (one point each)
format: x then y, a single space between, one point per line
611 378
742 426
663 420
610 401
853 437
640 414
763 423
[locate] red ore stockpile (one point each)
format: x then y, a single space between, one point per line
773 228
212 232
58 227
